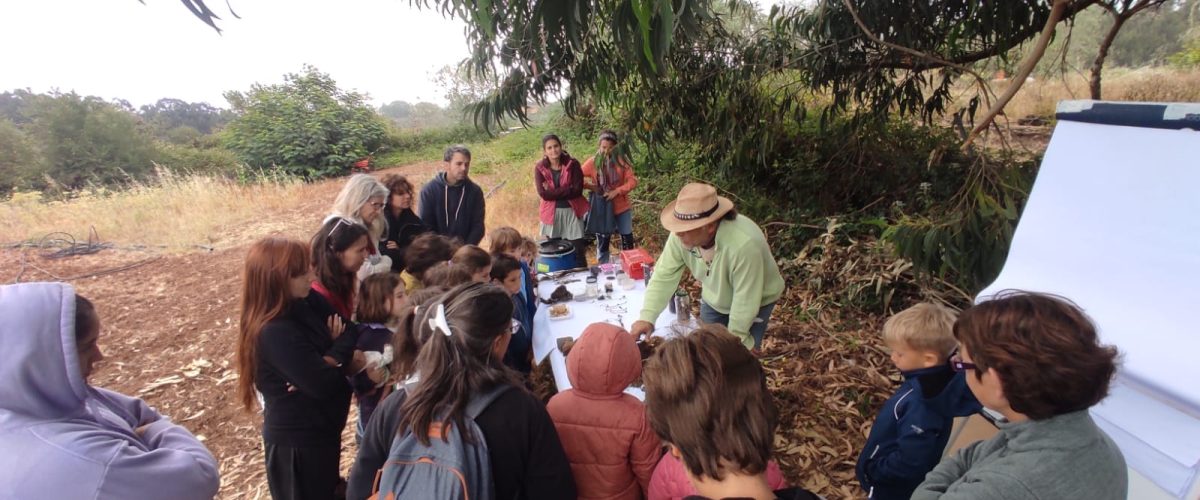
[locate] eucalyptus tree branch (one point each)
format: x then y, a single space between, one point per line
1039 50
1073 7
979 79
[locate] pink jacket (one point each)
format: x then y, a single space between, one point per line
670 481
570 188
605 432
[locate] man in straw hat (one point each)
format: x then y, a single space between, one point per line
730 256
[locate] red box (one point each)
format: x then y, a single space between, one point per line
633 260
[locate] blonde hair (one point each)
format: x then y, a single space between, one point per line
924 327
506 239
357 192
528 245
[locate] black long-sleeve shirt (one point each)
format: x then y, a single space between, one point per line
402 229
528 460
307 400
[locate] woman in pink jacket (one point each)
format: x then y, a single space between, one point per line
559 181
604 431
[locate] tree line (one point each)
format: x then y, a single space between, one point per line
59 142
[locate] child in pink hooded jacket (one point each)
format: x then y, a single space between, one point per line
604 431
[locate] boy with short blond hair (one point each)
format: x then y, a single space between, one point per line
912 428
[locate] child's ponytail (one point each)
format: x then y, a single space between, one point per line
456 360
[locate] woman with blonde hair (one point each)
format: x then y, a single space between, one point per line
298 362
362 201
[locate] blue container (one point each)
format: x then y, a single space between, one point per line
555 255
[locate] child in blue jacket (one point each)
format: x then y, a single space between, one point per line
912 428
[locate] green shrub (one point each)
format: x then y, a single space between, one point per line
965 240
307 126
209 161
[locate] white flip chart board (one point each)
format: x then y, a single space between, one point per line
1113 223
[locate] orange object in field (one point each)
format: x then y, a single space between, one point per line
632 261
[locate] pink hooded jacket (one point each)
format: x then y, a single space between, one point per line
670 481
604 431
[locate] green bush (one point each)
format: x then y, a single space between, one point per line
1189 57
20 163
306 126
87 140
215 161
965 240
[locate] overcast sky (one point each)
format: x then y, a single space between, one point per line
123 49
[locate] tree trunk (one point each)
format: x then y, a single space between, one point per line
1039 49
1098 64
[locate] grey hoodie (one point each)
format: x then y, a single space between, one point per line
60 437
1066 456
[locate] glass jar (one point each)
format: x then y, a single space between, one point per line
683 306
592 290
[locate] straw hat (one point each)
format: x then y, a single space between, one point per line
696 205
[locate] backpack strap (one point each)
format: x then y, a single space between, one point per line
482 401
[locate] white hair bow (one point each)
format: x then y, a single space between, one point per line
438 322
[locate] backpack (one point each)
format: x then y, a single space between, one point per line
456 469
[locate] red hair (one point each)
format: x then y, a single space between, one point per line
270 263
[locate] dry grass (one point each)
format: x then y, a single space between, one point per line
511 204
175 212
1040 97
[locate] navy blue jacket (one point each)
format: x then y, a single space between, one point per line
371 337
528 294
454 211
517 356
912 429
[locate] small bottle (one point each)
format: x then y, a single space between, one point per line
592 289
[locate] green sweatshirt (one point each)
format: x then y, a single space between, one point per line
742 279
1066 456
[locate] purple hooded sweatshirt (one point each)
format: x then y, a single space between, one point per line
60 437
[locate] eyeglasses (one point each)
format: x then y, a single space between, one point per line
959 365
378 204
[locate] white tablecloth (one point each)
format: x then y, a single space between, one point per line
547 331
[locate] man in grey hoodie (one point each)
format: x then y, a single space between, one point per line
450 203
63 438
1036 360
